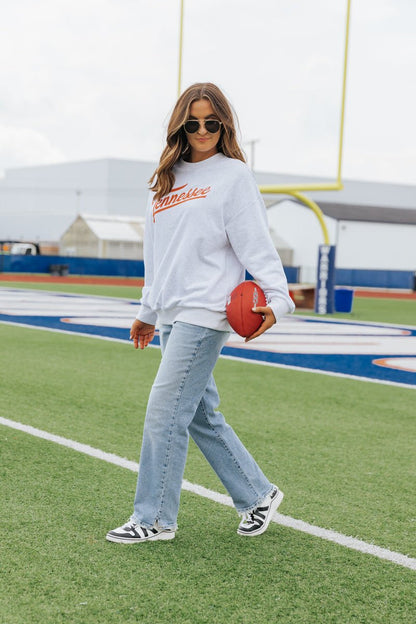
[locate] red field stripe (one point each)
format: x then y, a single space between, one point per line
384 294
72 279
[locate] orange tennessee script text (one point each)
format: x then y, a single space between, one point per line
174 198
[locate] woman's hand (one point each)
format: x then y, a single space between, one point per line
269 319
141 334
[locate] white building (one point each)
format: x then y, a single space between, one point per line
104 236
372 224
40 203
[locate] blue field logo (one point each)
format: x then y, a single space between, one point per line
369 351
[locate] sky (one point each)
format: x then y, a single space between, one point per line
88 79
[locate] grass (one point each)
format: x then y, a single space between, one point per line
323 438
382 310
57 567
128 292
340 449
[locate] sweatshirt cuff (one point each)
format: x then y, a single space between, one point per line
281 307
146 315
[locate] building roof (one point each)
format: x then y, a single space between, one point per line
379 202
115 228
121 232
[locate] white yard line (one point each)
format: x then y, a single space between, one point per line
287 521
68 332
225 357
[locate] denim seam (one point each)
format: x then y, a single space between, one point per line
173 421
227 448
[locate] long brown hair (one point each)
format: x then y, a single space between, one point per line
177 145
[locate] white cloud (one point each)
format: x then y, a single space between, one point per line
382 166
25 147
96 78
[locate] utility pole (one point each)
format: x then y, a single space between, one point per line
180 47
252 144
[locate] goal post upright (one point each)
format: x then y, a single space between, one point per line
295 190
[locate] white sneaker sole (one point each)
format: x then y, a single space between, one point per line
164 535
273 507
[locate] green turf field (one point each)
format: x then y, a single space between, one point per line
129 292
342 451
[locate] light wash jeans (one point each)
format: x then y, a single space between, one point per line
183 401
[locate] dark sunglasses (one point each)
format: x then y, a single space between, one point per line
211 125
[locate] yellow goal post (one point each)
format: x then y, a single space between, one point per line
295 190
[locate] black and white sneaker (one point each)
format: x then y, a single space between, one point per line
256 522
132 533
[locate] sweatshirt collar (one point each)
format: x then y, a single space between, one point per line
201 163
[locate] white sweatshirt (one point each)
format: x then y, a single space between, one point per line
200 238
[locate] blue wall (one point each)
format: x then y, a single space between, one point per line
135 268
76 266
89 266
375 278
292 274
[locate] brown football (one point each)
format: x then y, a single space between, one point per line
240 302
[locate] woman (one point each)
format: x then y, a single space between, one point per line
206 223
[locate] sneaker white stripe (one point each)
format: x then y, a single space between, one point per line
259 522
